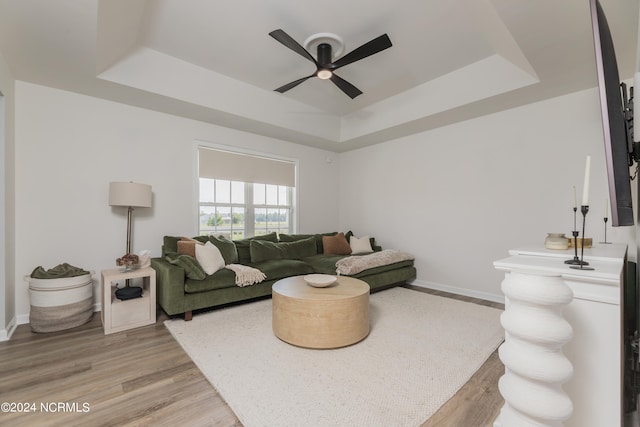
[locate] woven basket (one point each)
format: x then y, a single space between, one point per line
59 304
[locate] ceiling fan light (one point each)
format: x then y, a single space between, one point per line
324 74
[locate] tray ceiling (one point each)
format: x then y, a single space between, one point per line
213 61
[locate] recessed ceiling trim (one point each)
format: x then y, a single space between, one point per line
483 79
155 72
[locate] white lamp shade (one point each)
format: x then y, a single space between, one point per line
129 194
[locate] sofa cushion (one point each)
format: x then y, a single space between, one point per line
170 244
324 264
223 278
243 245
262 250
384 269
191 266
281 268
295 237
336 245
226 247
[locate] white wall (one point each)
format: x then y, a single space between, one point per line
456 197
460 197
69 147
7 284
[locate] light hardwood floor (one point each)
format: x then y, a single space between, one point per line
143 377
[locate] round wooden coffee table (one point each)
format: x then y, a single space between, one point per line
331 317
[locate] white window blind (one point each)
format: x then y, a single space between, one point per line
218 164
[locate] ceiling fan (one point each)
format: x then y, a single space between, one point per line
324 66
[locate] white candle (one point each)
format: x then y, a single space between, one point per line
585 188
606 208
575 198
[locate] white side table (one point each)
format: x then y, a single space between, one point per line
118 315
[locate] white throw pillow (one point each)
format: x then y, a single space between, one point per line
360 245
209 257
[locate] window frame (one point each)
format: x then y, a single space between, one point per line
248 196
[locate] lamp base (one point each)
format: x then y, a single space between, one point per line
129 292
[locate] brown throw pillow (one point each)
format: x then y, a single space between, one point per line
336 245
187 246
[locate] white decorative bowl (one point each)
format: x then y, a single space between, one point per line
320 280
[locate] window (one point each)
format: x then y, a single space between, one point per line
222 207
271 207
244 208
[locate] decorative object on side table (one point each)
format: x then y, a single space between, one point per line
128 261
586 242
556 241
606 218
130 195
575 260
605 231
583 265
584 209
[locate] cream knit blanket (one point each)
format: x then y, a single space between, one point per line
355 264
245 275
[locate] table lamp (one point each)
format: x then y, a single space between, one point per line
130 195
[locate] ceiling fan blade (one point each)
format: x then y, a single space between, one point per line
345 86
293 84
289 42
370 48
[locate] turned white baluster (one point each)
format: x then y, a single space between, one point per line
595 350
535 367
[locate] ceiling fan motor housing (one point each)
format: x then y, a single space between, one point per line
324 55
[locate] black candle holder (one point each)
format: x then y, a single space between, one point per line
605 231
583 265
575 233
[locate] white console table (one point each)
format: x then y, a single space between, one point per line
577 379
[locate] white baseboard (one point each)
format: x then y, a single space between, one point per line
459 291
5 334
22 319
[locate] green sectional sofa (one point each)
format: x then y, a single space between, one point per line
182 289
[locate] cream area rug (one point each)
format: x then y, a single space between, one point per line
420 351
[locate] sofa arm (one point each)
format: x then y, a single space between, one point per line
169 286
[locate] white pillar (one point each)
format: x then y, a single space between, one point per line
535 367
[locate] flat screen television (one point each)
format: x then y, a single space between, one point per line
617 120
